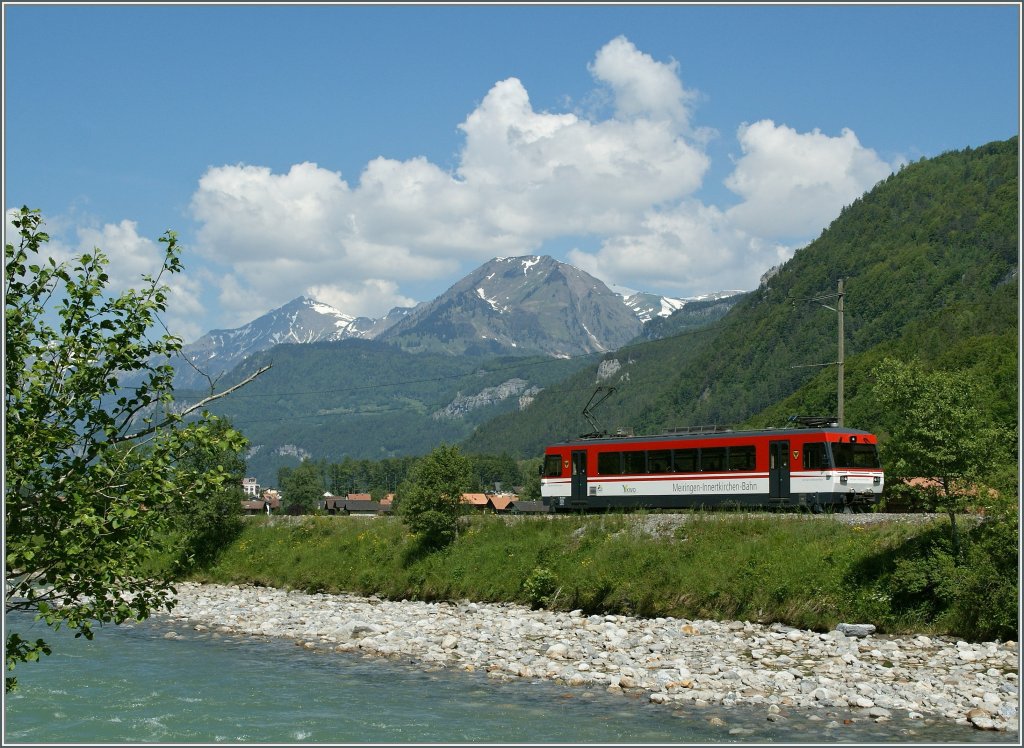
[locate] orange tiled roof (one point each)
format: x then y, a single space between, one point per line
501 502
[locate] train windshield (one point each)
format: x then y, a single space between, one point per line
855 455
552 466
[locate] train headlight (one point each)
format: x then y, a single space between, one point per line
843 479
877 480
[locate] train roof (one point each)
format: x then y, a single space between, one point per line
698 435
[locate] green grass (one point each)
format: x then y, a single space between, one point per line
786 568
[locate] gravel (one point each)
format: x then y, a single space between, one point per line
672 660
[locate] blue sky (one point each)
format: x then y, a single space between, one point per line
370 156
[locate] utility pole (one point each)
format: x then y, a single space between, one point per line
839 308
841 362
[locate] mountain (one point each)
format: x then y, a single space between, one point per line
526 305
929 259
521 305
691 314
301 320
394 387
648 306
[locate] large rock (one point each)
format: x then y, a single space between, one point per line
856 629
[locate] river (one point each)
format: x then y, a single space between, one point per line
131 684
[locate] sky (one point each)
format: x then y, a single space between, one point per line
370 156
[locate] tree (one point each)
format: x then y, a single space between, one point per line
489 469
530 469
92 469
205 522
302 486
431 500
938 429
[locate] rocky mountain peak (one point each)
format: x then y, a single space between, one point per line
529 304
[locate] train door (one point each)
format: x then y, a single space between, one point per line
578 497
778 469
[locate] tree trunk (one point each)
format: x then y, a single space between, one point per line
954 535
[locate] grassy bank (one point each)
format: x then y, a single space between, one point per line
807 573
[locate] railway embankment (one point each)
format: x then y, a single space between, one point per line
672 661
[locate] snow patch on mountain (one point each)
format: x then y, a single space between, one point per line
493 302
529 262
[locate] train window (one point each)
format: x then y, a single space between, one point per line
552 466
855 455
712 459
685 460
634 462
742 458
815 456
609 463
659 462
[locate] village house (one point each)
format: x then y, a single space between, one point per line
503 503
267 501
354 503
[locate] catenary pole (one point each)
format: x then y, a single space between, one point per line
841 361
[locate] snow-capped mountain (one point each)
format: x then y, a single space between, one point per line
301 320
531 304
648 306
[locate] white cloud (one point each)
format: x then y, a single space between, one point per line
374 294
686 250
793 184
247 212
129 257
641 86
525 178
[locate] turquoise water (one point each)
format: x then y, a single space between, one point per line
130 684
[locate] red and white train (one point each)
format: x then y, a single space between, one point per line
820 467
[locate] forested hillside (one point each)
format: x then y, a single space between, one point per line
368 399
929 259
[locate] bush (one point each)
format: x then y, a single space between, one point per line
540 586
431 501
974 595
983 591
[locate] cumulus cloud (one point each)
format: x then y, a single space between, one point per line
794 184
642 87
372 293
688 249
251 213
130 256
523 178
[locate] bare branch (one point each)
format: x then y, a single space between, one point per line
191 409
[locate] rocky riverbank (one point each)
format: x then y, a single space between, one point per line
672 660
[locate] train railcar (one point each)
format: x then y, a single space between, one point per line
818 468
